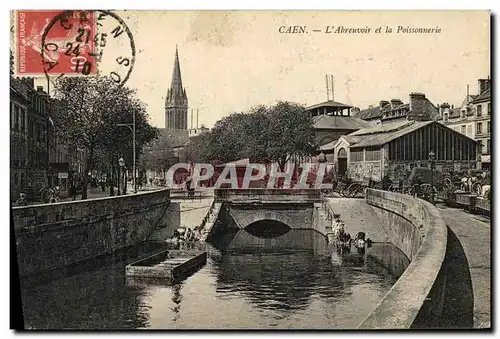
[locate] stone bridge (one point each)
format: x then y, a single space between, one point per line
259 210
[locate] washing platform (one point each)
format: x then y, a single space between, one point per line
170 265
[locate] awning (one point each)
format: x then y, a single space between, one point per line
485 158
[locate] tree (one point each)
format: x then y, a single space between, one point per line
86 113
196 150
160 156
264 134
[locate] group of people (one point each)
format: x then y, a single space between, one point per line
185 236
343 239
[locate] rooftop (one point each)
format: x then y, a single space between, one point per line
329 103
382 134
485 96
340 122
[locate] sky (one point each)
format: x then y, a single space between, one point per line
234 60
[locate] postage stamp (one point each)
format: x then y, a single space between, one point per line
44 46
73 43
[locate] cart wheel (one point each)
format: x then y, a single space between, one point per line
44 196
353 189
359 193
428 189
343 191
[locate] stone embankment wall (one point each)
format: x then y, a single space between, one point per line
435 290
52 236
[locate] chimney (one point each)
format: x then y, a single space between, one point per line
418 105
383 103
443 108
370 106
395 103
29 81
484 84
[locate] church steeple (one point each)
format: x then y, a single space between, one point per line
176 86
176 102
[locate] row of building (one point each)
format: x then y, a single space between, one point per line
37 158
393 137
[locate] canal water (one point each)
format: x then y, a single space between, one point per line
255 285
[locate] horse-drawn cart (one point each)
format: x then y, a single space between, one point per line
357 189
425 183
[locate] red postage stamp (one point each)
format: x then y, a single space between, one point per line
55 42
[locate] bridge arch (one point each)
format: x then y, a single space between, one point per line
294 217
267 228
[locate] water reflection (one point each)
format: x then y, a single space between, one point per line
294 282
92 299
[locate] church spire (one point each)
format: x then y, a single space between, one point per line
176 102
176 86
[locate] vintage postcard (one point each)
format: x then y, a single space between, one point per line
250 169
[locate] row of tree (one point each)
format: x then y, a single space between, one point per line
86 113
264 134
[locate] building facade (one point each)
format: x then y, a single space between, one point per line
29 130
37 158
176 101
473 119
394 149
331 120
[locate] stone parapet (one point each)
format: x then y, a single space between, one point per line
56 235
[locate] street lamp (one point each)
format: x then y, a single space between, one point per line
121 162
132 129
432 156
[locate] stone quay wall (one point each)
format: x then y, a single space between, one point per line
426 295
51 236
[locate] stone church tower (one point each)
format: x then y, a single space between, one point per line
176 102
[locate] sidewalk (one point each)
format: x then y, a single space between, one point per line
474 233
94 193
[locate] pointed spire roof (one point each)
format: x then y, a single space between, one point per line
176 87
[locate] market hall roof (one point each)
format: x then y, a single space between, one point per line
382 134
339 122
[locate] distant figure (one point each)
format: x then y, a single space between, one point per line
22 200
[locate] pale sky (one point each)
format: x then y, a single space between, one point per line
231 61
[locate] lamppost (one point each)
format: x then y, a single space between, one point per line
432 156
121 162
132 128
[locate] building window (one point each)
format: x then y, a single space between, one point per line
16 179
372 154
23 120
356 155
445 116
489 108
463 129
16 118
463 114
479 128
488 128
22 180
479 110
488 145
